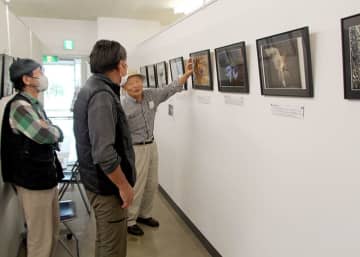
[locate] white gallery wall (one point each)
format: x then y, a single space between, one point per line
19 34
259 185
23 42
53 32
3 29
37 50
128 32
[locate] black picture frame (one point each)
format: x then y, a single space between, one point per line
6 85
1 74
231 68
143 71
202 71
350 32
177 68
152 82
285 64
162 74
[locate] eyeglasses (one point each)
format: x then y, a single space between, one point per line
31 74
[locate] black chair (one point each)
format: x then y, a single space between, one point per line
68 213
73 177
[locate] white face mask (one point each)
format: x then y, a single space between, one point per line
43 83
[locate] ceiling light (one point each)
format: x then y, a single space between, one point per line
187 6
7 1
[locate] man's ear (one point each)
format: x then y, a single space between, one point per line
26 80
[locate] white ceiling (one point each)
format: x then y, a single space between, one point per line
158 10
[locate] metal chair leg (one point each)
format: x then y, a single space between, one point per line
75 238
62 193
83 197
66 248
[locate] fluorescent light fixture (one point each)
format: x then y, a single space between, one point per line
7 1
187 6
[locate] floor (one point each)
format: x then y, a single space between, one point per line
172 239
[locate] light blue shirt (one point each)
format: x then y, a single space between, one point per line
141 115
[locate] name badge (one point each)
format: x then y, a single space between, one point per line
151 105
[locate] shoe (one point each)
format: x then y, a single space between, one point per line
135 230
149 222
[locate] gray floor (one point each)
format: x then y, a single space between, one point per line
172 239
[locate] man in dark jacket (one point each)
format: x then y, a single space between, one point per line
29 161
104 147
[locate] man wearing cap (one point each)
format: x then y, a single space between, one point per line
140 107
29 161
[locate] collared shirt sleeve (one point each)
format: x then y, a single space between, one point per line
163 94
102 117
24 119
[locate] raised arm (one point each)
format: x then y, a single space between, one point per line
163 94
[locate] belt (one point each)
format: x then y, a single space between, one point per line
145 142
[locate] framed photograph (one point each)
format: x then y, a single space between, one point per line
143 71
6 87
161 74
231 68
285 64
350 30
202 76
177 69
151 76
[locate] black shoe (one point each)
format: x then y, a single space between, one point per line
135 230
149 222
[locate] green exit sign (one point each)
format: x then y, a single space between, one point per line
68 44
50 58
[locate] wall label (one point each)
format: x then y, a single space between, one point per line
234 100
291 111
204 99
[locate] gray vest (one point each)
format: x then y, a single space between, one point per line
93 178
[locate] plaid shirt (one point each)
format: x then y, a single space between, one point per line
25 120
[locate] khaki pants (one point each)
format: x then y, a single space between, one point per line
41 211
111 229
146 162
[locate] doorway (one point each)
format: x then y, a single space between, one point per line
66 76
